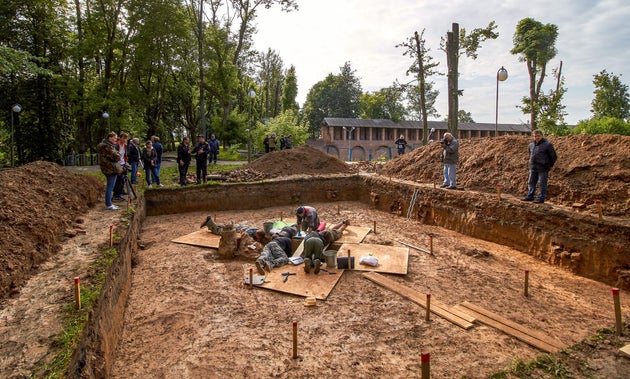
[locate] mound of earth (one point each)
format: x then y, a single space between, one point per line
303 160
39 201
589 168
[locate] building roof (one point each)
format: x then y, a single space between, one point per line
438 125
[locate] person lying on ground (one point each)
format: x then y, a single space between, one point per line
333 234
257 234
275 254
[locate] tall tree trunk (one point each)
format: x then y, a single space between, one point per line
202 111
421 83
84 136
452 61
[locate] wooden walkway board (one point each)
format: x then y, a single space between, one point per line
354 234
529 336
625 350
391 259
457 317
202 237
301 284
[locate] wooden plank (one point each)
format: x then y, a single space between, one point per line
625 350
354 234
436 307
301 284
391 259
536 334
202 237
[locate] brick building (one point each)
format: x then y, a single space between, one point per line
366 139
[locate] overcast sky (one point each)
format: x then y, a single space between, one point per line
592 35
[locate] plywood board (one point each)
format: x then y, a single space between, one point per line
391 259
529 336
456 317
354 234
202 237
625 350
302 284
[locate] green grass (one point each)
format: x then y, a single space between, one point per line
76 319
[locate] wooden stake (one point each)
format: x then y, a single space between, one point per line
338 209
374 227
280 216
425 364
111 235
599 209
618 324
251 278
349 261
77 293
431 244
427 316
295 354
526 288
499 191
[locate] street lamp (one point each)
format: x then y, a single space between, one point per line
348 138
16 108
502 75
252 95
106 116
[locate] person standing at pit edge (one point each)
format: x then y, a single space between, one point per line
450 156
183 160
109 157
201 151
542 157
401 144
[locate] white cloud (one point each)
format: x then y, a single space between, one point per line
324 34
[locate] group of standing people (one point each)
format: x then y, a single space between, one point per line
120 155
271 142
204 152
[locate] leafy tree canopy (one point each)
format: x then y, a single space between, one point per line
611 96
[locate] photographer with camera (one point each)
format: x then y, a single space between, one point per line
121 146
450 156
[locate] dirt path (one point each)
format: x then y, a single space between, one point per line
189 315
30 321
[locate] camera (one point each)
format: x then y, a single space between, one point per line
443 141
126 167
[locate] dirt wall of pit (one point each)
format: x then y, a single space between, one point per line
94 354
589 247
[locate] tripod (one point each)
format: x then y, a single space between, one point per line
124 186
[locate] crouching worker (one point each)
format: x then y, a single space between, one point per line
307 218
275 254
313 254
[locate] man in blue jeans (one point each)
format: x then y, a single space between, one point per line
542 157
450 156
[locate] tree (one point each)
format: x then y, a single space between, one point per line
603 125
335 96
611 96
459 42
270 80
534 42
550 117
290 91
423 67
463 116
385 103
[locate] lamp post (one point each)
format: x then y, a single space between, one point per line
252 95
16 108
348 138
106 116
502 75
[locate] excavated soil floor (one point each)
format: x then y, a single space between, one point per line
190 316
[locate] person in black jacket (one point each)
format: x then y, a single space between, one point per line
542 157
183 160
133 158
201 151
149 158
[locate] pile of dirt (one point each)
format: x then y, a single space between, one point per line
589 168
303 160
39 201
